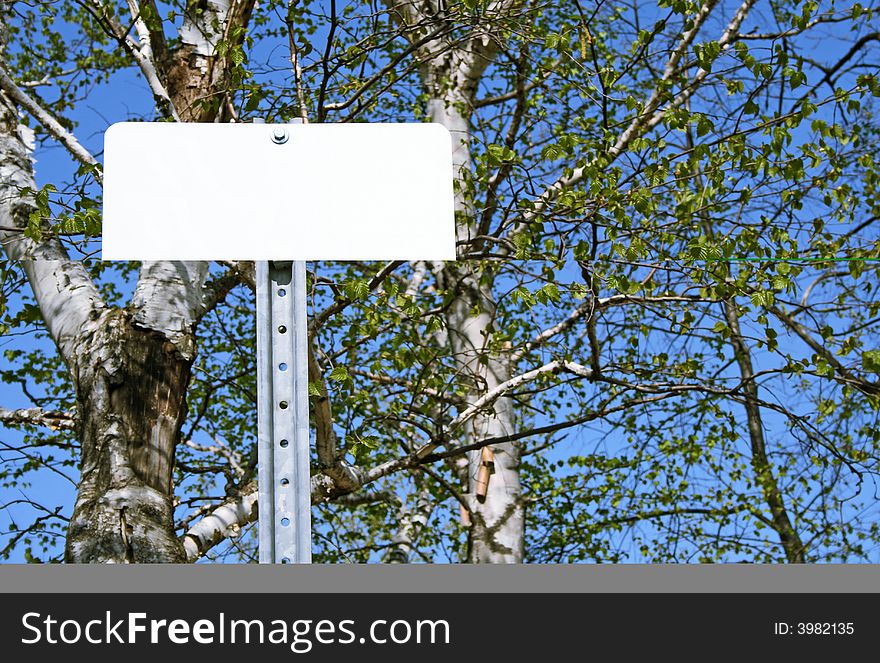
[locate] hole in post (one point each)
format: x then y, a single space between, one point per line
284 482
282 329
284 560
282 367
283 405
281 292
285 522
283 443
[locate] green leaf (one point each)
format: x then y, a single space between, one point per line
339 374
704 125
871 361
499 154
522 242
763 298
548 293
523 295
356 289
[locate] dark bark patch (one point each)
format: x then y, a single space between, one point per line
149 400
132 403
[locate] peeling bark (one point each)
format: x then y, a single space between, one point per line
451 76
198 78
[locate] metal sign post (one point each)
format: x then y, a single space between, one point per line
283 408
349 191
283 413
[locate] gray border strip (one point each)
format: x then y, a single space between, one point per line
734 578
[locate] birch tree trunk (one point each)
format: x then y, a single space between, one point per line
412 521
451 73
496 534
130 367
131 374
131 385
135 369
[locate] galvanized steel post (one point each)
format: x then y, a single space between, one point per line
283 413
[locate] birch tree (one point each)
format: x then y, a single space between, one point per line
659 342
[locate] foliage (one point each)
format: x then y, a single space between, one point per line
658 207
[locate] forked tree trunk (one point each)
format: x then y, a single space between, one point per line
130 367
131 389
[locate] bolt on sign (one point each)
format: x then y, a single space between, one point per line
277 192
279 195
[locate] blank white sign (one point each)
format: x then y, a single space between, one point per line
230 192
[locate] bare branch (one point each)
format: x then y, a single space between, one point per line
142 55
223 522
865 386
37 416
51 125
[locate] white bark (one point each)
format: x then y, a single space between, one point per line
412 521
205 30
67 298
50 124
169 298
143 58
36 416
143 32
497 531
450 73
223 522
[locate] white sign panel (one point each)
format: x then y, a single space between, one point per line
278 192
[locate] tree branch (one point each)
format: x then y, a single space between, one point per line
865 386
141 54
652 114
67 298
51 125
37 416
